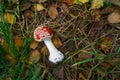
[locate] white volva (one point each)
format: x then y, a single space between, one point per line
55 55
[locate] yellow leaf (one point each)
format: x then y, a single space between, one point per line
34 45
37 7
106 44
19 42
81 76
81 1
10 18
56 41
84 1
96 4
72 15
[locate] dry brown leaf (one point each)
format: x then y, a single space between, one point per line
34 45
106 44
96 4
34 57
64 8
10 59
15 1
29 14
56 41
8 52
19 42
33 0
44 50
69 2
107 10
95 15
52 11
25 6
85 54
105 65
10 18
37 7
114 17
8 77
59 72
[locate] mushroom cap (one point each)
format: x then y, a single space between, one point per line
42 32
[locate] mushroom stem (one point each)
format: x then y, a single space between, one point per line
50 45
55 54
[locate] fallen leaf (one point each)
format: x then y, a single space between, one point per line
34 57
10 59
85 54
37 7
69 2
41 1
10 18
8 53
19 42
106 44
81 1
29 14
52 11
72 15
8 77
15 1
34 45
33 0
106 11
95 15
44 50
56 41
114 17
59 72
25 6
64 8
105 65
6 48
96 4
82 77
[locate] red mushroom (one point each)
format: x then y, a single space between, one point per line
43 33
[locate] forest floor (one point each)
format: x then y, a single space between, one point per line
89 38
